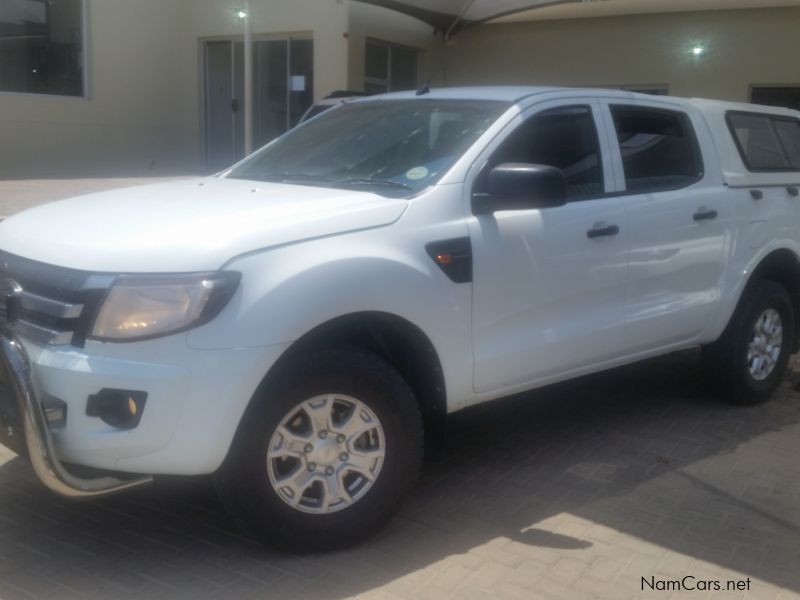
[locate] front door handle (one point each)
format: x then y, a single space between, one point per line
793 191
602 229
704 214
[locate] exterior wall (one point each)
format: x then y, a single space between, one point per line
142 113
367 21
132 120
744 47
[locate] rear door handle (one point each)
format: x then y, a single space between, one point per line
601 230
793 191
703 214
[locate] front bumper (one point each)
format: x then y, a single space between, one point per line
196 399
26 431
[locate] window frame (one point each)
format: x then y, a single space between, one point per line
771 118
85 65
694 144
596 119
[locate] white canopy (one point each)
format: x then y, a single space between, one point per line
449 15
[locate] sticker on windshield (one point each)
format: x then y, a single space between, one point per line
417 173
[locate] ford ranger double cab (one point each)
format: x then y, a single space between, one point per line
301 325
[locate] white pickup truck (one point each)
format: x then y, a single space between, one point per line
302 324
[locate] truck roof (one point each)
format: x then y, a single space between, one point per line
515 94
714 113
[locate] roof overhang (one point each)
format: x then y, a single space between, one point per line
448 16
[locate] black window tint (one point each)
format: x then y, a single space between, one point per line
789 134
758 142
41 47
563 137
658 147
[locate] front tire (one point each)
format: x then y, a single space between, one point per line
326 455
748 362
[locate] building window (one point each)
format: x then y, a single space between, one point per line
389 67
654 89
657 89
776 95
42 47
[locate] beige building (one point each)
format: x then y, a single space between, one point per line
96 87
119 87
702 48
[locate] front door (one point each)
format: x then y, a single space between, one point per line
549 284
282 91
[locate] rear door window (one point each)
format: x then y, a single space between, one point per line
658 148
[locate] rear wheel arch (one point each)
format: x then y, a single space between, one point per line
781 266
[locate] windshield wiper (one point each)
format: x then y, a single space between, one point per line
366 181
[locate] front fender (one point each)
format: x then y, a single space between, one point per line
289 291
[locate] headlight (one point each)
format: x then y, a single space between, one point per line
139 307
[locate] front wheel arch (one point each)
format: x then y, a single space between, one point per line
396 340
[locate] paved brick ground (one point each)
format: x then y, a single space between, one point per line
574 492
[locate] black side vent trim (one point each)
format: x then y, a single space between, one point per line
454 257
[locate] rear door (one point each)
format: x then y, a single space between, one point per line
678 213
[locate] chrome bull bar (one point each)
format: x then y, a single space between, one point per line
38 440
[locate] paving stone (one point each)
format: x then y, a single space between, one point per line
594 485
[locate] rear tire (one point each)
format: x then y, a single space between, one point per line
300 476
748 362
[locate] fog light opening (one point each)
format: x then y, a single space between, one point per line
119 408
55 411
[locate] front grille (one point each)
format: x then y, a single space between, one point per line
48 304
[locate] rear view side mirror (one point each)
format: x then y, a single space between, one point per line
522 186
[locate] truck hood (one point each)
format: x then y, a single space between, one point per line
191 225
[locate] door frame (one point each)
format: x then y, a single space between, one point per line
202 91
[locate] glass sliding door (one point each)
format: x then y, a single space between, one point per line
301 63
220 108
270 87
282 91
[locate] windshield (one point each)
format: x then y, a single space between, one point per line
392 147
